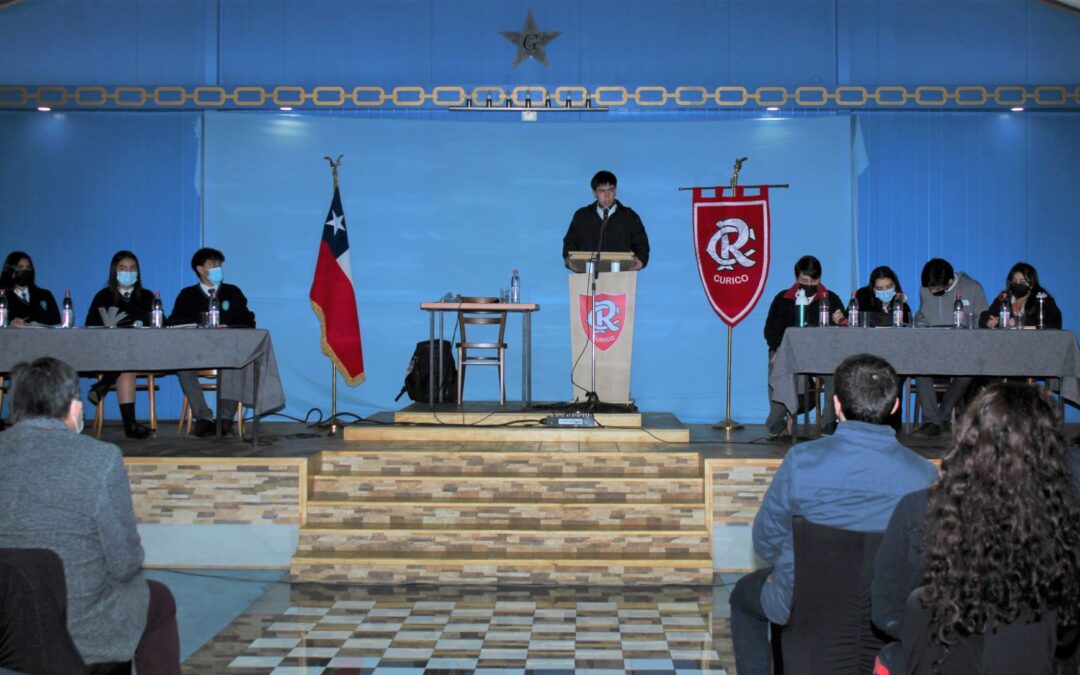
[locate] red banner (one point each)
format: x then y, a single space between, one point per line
731 244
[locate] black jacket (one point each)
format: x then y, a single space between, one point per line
191 302
41 308
137 307
784 313
624 232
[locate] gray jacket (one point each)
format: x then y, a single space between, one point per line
70 493
937 310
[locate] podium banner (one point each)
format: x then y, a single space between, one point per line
731 244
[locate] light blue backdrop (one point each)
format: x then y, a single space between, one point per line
454 206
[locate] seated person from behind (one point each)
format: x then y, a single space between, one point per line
940 287
876 298
190 303
124 301
851 480
1022 289
69 493
27 302
784 314
995 540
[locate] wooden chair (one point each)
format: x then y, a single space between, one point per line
910 401
467 349
185 421
149 386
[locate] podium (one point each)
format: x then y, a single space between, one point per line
614 326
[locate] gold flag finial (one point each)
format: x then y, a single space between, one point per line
735 174
334 166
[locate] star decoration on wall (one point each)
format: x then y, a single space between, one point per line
530 42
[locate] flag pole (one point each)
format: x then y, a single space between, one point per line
728 424
334 164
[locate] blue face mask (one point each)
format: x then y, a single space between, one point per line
127 279
215 275
885 296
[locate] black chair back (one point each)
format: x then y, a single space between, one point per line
829 631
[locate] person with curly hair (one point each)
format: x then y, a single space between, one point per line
992 546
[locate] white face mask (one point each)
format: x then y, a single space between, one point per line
79 424
76 411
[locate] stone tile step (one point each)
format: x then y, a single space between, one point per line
481 488
551 464
465 571
551 516
535 543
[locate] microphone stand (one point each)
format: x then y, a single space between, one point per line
591 397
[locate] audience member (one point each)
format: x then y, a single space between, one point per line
783 314
69 493
851 480
994 541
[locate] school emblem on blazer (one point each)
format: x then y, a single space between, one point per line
608 316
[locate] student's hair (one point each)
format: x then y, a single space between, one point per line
205 255
603 178
808 265
1002 534
867 387
113 285
885 272
9 267
937 272
43 388
1029 272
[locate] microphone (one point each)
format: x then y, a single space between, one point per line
600 242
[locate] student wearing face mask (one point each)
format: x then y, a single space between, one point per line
940 286
125 294
1023 289
191 302
27 302
876 298
783 314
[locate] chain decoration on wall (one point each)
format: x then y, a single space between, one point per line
1042 97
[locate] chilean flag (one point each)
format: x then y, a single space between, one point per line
334 299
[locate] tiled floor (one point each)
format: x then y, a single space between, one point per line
318 629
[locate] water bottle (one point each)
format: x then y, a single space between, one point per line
67 314
1005 312
958 314
213 316
898 312
823 311
853 312
3 309
1041 297
157 314
515 288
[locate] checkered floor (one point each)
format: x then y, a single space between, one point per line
314 629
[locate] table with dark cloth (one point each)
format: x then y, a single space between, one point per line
245 358
929 351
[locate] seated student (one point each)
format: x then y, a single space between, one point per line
783 314
876 298
851 480
995 540
69 493
1022 288
940 288
124 295
27 302
190 303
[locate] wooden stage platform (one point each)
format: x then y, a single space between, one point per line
457 506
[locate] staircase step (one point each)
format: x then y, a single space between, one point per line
544 464
537 544
503 515
483 489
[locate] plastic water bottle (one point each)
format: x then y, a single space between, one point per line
958 314
157 314
823 311
67 314
515 288
897 312
213 316
853 312
3 309
1005 312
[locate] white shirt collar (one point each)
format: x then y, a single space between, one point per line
206 289
611 209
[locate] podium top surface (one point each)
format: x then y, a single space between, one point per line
479 306
605 256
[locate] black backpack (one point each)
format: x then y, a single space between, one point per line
418 376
